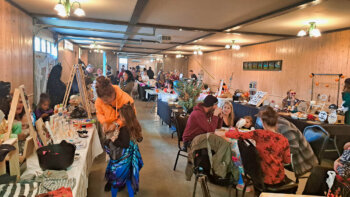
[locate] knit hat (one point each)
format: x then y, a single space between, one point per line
210 101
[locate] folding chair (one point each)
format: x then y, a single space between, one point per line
180 122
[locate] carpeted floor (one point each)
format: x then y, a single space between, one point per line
157 177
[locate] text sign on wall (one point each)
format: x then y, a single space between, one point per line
273 65
68 45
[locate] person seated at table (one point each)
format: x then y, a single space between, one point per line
169 87
126 161
43 110
290 101
227 115
205 89
273 147
304 158
245 123
316 183
203 119
127 82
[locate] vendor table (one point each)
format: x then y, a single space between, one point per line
333 129
242 110
142 91
164 111
149 93
80 169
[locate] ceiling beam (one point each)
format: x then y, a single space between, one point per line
156 26
137 40
201 37
93 29
139 7
272 14
130 47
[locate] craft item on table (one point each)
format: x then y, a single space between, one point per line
61 192
48 127
332 117
43 132
299 115
53 184
258 98
322 116
303 107
20 189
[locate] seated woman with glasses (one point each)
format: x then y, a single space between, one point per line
273 148
290 101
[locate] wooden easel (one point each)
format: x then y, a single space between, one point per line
19 93
78 72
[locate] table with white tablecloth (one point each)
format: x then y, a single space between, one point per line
80 168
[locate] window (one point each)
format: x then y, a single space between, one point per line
37 44
48 47
43 46
53 50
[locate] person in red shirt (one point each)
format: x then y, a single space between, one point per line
273 147
203 119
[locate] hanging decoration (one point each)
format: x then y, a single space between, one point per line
312 30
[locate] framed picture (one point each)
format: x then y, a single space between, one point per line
273 65
278 65
250 65
255 65
245 65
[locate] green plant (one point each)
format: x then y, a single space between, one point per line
188 91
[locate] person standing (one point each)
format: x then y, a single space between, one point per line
127 83
192 75
110 98
150 73
55 87
346 100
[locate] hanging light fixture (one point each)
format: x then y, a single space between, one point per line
312 30
235 46
198 51
64 7
227 46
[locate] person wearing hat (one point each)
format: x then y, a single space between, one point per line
346 100
203 119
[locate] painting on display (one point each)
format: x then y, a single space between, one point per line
273 65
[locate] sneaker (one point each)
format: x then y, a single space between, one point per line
108 187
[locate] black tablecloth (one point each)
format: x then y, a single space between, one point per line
332 129
142 91
164 111
241 110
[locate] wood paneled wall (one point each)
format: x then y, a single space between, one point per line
16 48
171 63
329 53
84 56
68 59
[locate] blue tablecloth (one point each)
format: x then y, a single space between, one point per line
164 111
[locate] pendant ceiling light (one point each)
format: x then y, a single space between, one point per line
64 8
312 30
198 51
233 46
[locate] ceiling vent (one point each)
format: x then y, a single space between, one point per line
161 38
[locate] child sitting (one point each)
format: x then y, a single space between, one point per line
43 110
344 169
245 123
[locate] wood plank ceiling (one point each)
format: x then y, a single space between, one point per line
133 26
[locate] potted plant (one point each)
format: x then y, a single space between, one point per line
188 91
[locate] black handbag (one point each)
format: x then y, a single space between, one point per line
79 112
56 156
